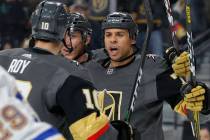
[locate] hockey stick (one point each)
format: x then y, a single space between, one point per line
189 35
192 79
171 22
142 60
172 54
189 41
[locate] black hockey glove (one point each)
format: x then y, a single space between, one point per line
179 62
196 97
126 132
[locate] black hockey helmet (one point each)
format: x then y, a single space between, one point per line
49 21
77 22
120 20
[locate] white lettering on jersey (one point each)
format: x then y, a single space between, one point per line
27 55
18 121
18 66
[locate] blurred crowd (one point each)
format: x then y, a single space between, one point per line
15 20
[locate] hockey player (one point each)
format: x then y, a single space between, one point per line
18 121
48 81
119 71
77 38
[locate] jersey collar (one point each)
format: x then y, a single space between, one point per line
40 50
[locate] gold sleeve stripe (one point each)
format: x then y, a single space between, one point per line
89 127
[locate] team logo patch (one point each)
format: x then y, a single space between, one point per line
110 71
99 5
110 103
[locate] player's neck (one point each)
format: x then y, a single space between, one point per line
83 58
124 60
52 47
114 64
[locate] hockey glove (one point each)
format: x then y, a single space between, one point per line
181 108
125 130
195 96
181 65
90 127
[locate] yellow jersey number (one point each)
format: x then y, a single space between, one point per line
24 87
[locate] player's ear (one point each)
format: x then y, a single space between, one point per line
133 38
88 40
67 38
133 41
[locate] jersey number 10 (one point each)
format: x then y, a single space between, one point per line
91 99
45 26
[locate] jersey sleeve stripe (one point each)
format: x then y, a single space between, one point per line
51 132
90 127
99 133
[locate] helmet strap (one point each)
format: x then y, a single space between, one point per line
131 55
70 49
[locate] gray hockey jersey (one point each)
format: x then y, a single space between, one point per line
156 86
40 75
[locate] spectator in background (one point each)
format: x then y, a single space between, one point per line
205 132
160 21
79 7
13 21
25 43
199 20
198 15
7 45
